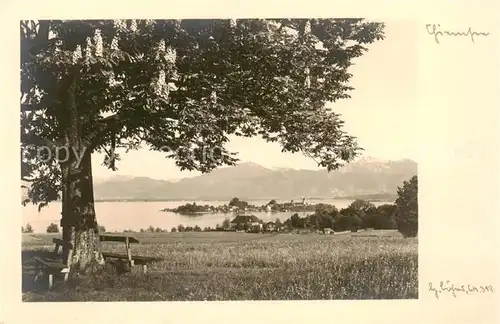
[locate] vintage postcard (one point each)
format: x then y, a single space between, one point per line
289 163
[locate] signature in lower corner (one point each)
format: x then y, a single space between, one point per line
448 287
435 30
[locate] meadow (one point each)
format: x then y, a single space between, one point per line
242 266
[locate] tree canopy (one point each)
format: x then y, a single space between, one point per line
183 87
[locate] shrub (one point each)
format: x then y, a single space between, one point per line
236 202
226 223
361 205
407 208
27 229
356 222
52 228
102 229
173 230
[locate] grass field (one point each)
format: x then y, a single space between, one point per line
240 266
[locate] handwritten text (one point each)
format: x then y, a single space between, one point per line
435 30
447 287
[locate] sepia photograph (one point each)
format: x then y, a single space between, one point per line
219 159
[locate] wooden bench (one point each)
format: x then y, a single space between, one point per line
135 259
50 267
58 243
132 259
103 238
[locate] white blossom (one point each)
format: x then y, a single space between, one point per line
166 91
213 96
58 45
307 82
133 25
307 28
171 55
176 22
119 25
98 43
114 44
112 82
161 46
175 75
88 50
157 89
161 88
77 54
232 23
172 86
161 78
160 49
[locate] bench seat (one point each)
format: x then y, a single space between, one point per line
138 260
51 267
133 260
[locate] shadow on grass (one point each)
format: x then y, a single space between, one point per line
28 271
38 291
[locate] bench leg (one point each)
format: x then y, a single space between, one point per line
38 273
144 268
51 281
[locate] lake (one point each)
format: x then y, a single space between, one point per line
134 215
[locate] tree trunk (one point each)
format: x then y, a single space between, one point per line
79 219
81 250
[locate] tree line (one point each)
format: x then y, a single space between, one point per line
361 214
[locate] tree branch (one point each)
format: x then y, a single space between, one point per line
111 123
29 107
41 37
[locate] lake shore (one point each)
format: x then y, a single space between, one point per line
371 198
120 216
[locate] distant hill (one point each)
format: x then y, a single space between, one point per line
366 177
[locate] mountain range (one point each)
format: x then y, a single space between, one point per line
364 178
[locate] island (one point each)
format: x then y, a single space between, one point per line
237 205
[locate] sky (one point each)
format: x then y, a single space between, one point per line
381 113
